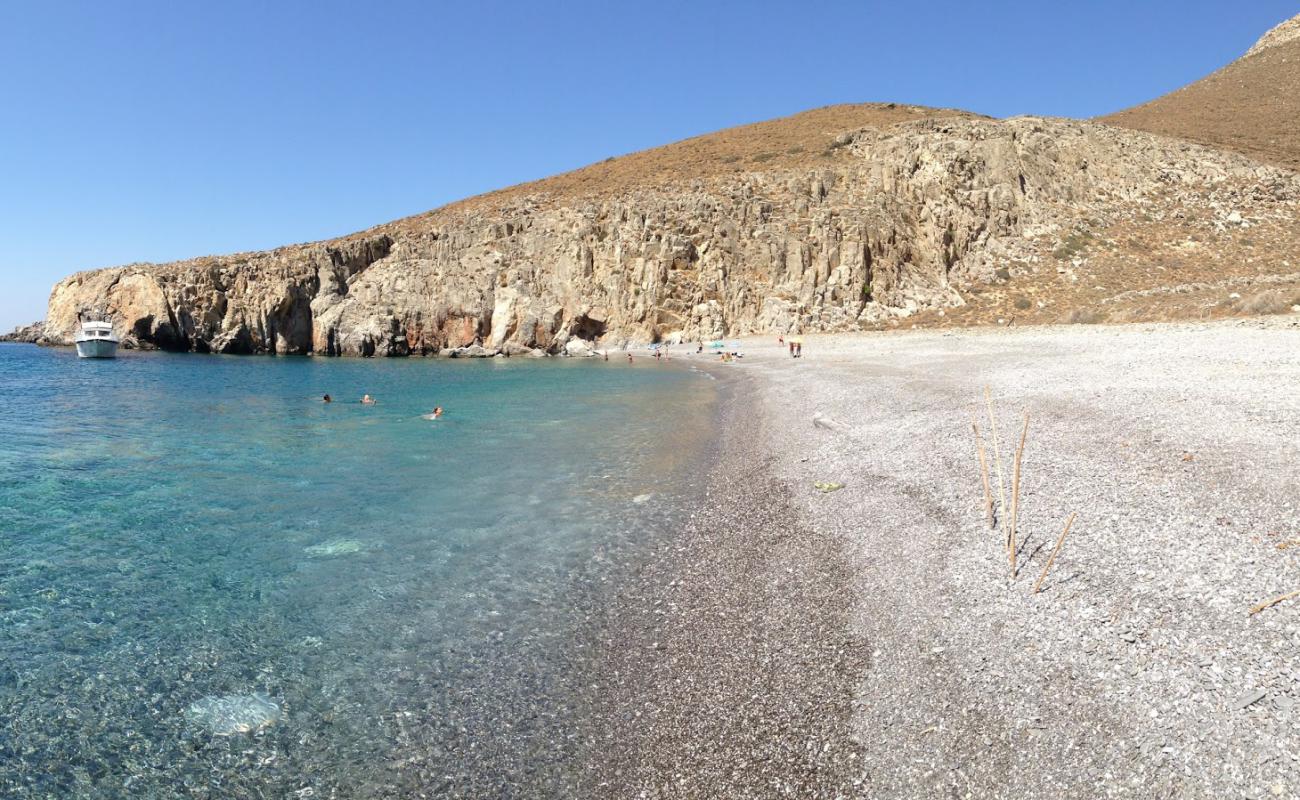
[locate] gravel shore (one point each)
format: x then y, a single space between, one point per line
728 658
870 641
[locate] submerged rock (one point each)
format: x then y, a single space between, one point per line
335 547
229 714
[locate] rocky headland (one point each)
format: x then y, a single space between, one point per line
840 219
29 334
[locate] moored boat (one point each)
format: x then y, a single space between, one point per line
96 339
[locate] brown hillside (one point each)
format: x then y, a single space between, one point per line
1251 106
807 139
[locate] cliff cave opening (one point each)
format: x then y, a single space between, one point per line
584 327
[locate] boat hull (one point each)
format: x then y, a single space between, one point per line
97 348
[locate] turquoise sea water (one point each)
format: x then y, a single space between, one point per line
387 605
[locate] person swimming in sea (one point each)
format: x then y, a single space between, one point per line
326 399
437 412
367 400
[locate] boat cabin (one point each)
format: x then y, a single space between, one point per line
97 329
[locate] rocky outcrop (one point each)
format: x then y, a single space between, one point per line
1288 31
25 333
886 222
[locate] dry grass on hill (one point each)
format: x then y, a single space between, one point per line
801 140
1189 265
1251 106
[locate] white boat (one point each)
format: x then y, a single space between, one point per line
96 339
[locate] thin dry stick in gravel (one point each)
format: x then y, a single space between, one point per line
984 472
1015 498
1038 584
997 459
1268 603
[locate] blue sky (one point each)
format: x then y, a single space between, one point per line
135 131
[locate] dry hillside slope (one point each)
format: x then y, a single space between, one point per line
840 218
1251 106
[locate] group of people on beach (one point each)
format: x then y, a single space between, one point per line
795 343
367 400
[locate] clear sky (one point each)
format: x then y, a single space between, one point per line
152 131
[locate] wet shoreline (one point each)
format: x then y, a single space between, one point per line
727 662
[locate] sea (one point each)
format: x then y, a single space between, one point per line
214 584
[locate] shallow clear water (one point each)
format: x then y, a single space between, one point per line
409 595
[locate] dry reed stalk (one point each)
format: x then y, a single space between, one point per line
984 472
997 459
1038 584
1268 603
1015 498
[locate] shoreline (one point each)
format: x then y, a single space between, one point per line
1137 670
738 626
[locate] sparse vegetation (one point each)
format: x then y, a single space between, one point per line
1072 245
1085 316
1268 302
1249 106
1038 584
1023 304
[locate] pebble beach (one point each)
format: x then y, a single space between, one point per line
840 619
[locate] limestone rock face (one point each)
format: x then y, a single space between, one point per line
25 333
890 221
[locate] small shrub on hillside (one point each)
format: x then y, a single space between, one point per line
1023 304
1073 245
1270 302
1085 316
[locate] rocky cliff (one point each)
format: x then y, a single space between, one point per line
25 333
836 225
